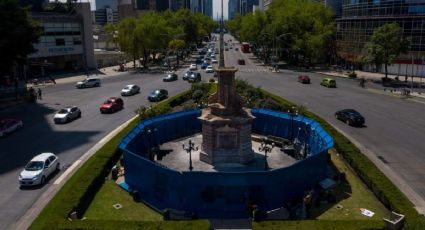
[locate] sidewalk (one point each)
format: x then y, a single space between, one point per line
377 77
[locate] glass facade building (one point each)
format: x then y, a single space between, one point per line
359 18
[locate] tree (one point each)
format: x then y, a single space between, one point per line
111 31
385 45
18 35
127 38
176 45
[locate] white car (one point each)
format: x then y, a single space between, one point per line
130 90
88 82
9 125
214 61
209 69
39 169
67 114
193 67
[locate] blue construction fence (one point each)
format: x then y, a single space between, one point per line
222 194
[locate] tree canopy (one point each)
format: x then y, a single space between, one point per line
154 31
303 29
18 34
385 45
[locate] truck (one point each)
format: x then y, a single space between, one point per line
245 47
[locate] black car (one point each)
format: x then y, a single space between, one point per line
170 77
199 60
194 77
158 95
350 116
187 75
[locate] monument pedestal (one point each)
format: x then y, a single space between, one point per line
226 125
226 139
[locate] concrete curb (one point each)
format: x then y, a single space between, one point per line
25 221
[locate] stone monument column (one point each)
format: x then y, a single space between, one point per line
226 125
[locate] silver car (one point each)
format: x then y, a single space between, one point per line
88 82
39 169
67 114
130 90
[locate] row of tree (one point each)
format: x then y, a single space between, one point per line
300 30
303 32
143 36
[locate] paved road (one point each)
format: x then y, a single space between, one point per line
395 127
68 141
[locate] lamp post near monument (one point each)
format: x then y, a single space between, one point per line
189 148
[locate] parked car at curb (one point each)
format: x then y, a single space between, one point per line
350 117
158 95
328 82
88 82
38 169
130 90
304 79
112 105
67 114
170 77
9 126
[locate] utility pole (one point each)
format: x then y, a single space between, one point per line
221 61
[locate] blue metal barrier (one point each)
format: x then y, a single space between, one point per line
222 194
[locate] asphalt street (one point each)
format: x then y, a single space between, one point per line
395 127
68 141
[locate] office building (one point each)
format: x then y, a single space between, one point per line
359 19
208 8
247 6
178 4
66 42
233 7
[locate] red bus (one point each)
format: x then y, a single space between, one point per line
245 47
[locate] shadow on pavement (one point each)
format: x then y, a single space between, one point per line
36 136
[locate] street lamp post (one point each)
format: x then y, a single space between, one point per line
191 146
292 113
266 148
150 132
306 129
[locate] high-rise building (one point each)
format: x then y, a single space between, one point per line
359 19
155 5
208 8
247 6
102 4
233 8
177 4
196 6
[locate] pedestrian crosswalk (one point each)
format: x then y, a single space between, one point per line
254 70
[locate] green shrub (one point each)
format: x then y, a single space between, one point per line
212 80
319 225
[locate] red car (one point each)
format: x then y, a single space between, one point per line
304 79
241 62
9 125
112 105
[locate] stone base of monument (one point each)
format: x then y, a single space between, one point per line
226 139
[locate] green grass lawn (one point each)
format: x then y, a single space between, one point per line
351 197
110 194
